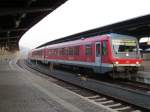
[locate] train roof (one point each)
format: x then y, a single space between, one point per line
86 40
116 36
77 42
90 40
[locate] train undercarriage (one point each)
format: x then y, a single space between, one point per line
124 72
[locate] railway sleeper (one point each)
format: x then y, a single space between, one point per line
123 108
114 105
105 102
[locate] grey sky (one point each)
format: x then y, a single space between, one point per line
80 15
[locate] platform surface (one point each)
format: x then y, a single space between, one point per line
23 91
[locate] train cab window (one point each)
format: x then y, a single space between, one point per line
104 48
88 50
97 49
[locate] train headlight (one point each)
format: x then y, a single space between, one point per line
116 62
137 62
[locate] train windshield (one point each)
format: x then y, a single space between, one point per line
125 46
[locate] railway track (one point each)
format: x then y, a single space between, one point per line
138 86
102 93
135 85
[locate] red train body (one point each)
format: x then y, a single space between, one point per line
102 53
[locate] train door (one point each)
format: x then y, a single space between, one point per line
104 54
97 53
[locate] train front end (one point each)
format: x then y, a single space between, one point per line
126 56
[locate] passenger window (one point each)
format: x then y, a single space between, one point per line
66 51
63 51
88 50
60 52
76 50
71 51
104 48
49 52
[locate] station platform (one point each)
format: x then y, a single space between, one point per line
24 91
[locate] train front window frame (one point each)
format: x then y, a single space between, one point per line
124 45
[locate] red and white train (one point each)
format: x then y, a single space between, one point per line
101 53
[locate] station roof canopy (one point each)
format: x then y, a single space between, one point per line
138 27
17 16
